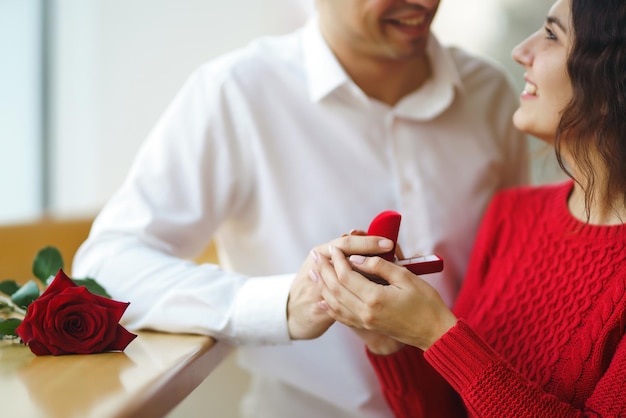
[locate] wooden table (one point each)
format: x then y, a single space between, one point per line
153 374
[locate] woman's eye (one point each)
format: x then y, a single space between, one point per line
550 35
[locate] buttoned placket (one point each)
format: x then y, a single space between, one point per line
407 166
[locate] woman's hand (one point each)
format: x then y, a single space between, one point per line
408 309
378 343
305 319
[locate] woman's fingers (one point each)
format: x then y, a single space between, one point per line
348 294
389 311
378 267
339 301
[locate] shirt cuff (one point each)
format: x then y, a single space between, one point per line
260 311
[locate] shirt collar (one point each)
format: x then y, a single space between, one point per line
438 91
325 74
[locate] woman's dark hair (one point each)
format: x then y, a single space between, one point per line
597 111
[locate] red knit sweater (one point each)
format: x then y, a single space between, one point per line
542 318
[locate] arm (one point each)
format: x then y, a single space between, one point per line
488 384
196 175
187 178
484 380
413 388
407 310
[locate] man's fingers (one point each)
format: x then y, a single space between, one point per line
357 244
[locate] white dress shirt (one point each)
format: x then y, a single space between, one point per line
272 150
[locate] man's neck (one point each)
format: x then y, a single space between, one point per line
388 81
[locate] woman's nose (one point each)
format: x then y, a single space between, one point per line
522 53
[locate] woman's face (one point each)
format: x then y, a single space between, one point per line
548 88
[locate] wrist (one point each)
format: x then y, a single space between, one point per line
440 328
385 348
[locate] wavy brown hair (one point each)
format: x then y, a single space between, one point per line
595 118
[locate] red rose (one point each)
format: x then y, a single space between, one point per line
68 319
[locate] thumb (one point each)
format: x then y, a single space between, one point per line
377 267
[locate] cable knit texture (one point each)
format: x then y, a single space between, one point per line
542 321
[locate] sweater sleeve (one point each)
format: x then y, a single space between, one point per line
412 388
490 387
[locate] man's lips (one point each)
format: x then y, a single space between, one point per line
410 24
411 21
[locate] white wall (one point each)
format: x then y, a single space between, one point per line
20 89
118 63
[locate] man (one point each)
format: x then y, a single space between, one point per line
286 144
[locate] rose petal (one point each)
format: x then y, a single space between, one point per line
38 348
98 331
60 282
122 339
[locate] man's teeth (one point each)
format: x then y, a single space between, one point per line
530 88
416 21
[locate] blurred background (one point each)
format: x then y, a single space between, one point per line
82 82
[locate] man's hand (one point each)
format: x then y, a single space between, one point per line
305 319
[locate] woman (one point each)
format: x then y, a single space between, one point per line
538 328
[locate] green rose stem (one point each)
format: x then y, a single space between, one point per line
10 306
